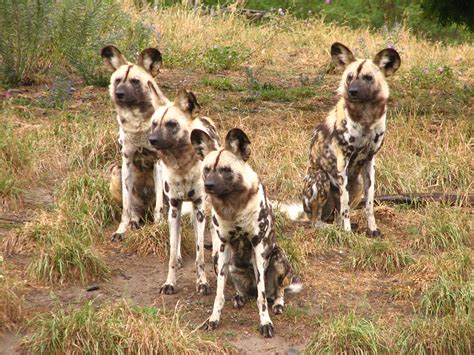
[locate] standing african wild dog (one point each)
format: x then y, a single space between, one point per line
136 97
171 130
244 243
343 147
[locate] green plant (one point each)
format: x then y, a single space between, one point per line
349 334
224 84
222 58
114 328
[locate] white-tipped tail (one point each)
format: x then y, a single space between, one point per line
293 211
187 208
295 287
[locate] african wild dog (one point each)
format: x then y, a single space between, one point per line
136 97
244 244
171 130
344 146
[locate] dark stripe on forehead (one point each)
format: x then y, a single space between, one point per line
360 68
217 160
164 113
152 87
126 74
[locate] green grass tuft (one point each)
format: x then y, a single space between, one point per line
448 335
223 84
114 329
380 256
348 334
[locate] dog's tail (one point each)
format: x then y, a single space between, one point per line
293 211
296 286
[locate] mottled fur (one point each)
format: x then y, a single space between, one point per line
343 147
244 242
137 183
171 129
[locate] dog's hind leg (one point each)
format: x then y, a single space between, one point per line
158 177
315 196
368 175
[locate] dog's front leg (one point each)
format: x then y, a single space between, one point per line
368 175
202 285
266 325
127 186
158 177
342 180
174 220
223 270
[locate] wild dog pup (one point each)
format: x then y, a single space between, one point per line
171 129
343 147
244 237
136 97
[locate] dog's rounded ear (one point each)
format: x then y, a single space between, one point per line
113 58
202 143
388 60
341 55
186 101
238 143
150 59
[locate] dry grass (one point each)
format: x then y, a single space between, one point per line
114 328
11 300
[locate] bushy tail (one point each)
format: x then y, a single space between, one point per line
293 211
295 286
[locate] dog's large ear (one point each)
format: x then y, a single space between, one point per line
113 58
150 60
161 98
341 55
388 60
202 143
187 102
238 143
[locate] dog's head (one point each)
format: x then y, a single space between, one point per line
363 80
171 123
132 85
225 171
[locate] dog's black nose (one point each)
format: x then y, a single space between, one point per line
120 95
153 141
209 186
353 91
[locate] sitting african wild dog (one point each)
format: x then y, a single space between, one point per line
344 146
171 130
243 231
136 97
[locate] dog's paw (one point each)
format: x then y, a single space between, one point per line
277 308
203 289
267 330
374 234
238 301
134 225
168 289
117 237
210 325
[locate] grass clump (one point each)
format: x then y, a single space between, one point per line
446 296
224 84
447 335
114 328
380 256
67 258
11 303
348 334
442 228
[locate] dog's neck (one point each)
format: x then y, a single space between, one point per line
364 113
181 158
227 207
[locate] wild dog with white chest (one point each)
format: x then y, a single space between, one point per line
170 136
136 97
343 148
244 242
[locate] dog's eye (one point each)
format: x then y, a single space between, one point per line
153 125
225 170
368 77
118 80
206 170
350 76
135 81
171 124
